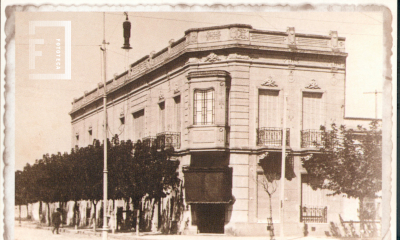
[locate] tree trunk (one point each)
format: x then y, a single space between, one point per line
40 212
48 214
95 210
127 224
19 215
270 206
75 217
271 233
361 216
138 214
27 211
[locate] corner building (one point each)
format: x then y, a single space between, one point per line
216 95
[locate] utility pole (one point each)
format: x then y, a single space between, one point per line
376 101
105 171
283 169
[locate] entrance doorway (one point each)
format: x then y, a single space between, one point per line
210 218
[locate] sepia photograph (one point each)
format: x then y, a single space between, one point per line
198 122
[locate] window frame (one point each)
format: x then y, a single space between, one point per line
205 111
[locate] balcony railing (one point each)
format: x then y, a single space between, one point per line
272 136
311 138
313 214
149 141
168 140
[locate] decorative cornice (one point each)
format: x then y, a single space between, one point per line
313 85
269 83
144 65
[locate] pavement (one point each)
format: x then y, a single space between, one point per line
34 228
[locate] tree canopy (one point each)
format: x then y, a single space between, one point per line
349 162
135 171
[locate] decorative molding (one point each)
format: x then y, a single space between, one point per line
161 96
262 156
212 73
237 56
239 33
213 35
212 57
176 89
192 38
334 80
313 85
291 76
334 38
291 36
292 60
269 83
192 60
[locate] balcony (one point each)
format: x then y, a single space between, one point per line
272 137
168 140
149 141
313 214
311 138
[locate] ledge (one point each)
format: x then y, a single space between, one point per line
213 73
219 27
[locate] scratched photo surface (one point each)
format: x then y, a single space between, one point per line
215 86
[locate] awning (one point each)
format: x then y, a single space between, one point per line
208 185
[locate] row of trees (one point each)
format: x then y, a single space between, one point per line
135 171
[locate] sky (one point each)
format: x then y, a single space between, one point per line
42 122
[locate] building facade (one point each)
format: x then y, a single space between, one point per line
217 96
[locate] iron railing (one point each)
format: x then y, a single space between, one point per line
271 136
149 141
313 214
311 138
168 140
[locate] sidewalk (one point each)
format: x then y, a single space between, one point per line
155 236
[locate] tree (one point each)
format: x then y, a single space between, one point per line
153 173
271 166
90 161
349 162
21 192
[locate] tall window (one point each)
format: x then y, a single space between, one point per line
312 110
313 202
177 111
203 107
161 118
138 124
268 109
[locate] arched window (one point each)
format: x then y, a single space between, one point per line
203 107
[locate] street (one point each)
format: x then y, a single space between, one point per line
23 233
28 232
